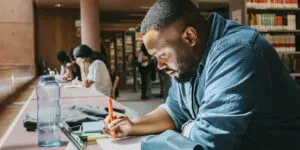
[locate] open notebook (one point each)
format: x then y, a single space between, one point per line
128 143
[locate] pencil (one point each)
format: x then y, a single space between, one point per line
110 113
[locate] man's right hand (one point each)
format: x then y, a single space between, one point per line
121 125
154 122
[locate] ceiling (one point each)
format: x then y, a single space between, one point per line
121 14
104 5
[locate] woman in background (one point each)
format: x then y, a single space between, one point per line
69 69
144 64
94 72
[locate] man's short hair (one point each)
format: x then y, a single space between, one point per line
165 12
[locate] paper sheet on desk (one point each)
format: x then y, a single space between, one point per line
129 143
72 86
70 146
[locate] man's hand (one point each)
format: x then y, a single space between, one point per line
154 122
121 125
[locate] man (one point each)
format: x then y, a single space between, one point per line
229 88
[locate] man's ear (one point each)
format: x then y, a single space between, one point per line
189 36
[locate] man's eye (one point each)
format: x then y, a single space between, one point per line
163 56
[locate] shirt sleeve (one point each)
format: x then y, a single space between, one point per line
95 71
237 76
172 106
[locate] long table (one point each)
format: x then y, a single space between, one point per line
74 93
16 137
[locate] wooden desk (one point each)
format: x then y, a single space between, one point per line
73 93
16 137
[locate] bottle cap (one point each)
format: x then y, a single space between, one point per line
47 79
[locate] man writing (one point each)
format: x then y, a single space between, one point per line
229 88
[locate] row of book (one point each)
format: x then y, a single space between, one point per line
272 3
273 22
112 56
282 43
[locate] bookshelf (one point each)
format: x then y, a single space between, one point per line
206 7
112 56
130 48
119 53
296 32
273 9
278 21
295 75
120 67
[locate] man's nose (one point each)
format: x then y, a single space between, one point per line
161 65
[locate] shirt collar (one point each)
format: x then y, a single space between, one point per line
217 25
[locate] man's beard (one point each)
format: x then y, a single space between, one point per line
187 68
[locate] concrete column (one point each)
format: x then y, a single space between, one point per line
90 32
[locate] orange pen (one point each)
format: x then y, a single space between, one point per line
111 117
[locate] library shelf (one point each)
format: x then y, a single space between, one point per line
295 74
273 9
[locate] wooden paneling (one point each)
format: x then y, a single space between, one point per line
16 11
16 43
17 66
55 31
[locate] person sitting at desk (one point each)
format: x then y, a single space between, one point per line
94 72
69 69
229 89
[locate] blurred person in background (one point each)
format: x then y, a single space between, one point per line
144 65
69 69
94 72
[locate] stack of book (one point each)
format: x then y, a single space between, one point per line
128 51
272 3
282 43
267 21
112 56
119 61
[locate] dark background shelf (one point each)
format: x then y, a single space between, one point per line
296 10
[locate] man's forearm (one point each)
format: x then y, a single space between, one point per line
155 122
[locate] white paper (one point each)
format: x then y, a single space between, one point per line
70 146
72 86
129 143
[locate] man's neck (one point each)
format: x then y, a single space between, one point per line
202 41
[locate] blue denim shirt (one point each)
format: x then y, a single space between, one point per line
241 97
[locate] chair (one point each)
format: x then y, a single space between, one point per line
115 87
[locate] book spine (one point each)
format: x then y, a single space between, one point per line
294 3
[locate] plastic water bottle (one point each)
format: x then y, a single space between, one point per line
48 114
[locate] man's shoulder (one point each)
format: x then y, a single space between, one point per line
245 38
243 35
